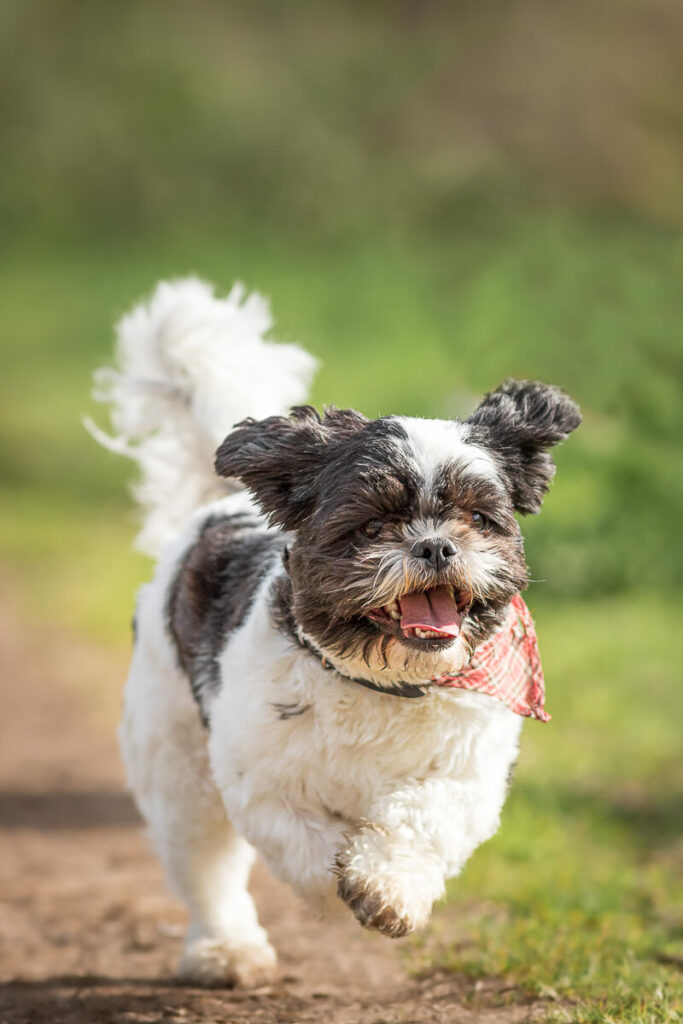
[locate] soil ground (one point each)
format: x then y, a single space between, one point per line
89 933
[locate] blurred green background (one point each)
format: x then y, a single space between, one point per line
434 196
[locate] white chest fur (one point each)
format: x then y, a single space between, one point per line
302 756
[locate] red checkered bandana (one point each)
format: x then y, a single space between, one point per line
507 666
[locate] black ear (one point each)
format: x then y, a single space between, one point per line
520 421
279 459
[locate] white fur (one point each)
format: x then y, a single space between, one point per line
190 366
397 792
384 796
435 442
356 764
483 564
165 753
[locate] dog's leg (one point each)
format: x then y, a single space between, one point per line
225 944
299 845
395 866
207 863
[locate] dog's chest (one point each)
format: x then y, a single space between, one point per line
327 743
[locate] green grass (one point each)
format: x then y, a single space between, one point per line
579 897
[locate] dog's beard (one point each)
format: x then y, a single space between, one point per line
381 614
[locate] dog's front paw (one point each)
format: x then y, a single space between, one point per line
371 907
214 963
386 883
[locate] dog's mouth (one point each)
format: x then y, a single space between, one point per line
428 615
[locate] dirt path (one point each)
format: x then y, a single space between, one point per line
88 933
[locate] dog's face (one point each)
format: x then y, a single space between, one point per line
405 548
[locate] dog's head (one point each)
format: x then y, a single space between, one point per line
405 549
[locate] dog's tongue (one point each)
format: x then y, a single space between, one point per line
433 609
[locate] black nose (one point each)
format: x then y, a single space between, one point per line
435 550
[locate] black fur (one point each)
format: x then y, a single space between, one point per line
333 471
363 471
212 593
279 458
287 711
324 479
519 422
283 619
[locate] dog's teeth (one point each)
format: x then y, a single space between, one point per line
425 634
393 610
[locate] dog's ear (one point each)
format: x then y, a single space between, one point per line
280 458
520 421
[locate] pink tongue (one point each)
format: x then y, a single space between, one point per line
434 609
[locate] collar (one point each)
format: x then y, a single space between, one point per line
398 689
507 667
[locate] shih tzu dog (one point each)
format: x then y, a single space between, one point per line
332 663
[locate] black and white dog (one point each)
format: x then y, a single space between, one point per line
327 662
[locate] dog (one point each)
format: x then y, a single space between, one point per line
333 660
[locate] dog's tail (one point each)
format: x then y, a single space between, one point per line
190 366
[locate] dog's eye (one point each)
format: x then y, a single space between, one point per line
371 528
481 521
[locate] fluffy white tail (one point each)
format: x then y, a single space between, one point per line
190 366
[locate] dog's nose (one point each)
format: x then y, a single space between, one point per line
435 550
